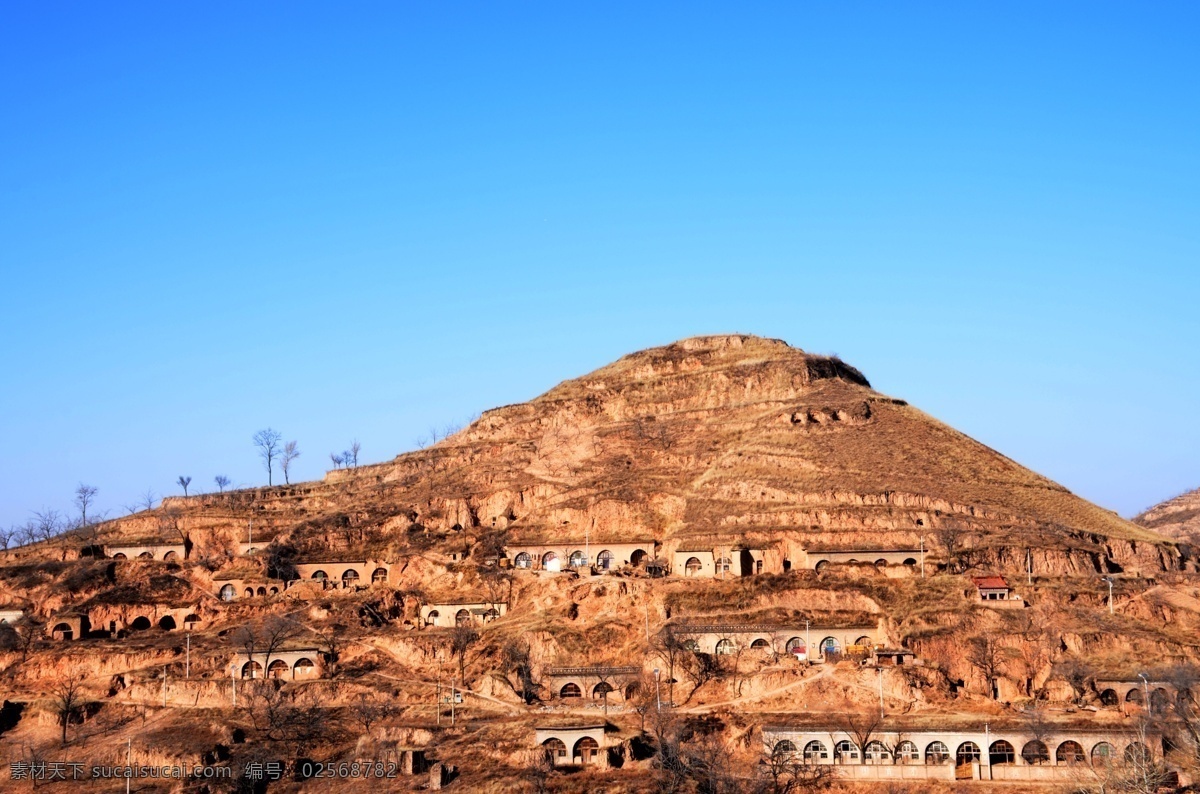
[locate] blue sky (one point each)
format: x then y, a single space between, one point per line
364 221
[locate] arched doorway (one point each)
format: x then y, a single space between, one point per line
228 593
349 577
320 576
119 556
1134 696
462 618
845 752
937 753
570 690
140 623
907 753
1103 754
760 645
1109 697
586 750
578 559
169 556
551 562
815 752
796 647
725 647
968 753
830 648
637 558
601 690
523 560
63 631
604 560
262 591
556 749
252 669
431 618
303 668
379 575
145 555
876 753
1069 753
783 749
1035 753
191 621
277 669
167 623
692 566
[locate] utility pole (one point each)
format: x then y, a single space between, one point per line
128 760
164 686
187 664
439 698
587 547
1029 566
922 556
452 699
1146 689
880 671
233 679
657 693
807 643
1110 587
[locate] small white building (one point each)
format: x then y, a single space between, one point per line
464 614
574 745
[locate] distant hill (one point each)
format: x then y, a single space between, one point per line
1177 518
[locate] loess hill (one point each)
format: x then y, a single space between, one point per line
714 443
1177 518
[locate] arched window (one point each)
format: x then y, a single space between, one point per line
277 669
170 555
601 690
796 646
830 647
907 753
815 751
578 559
63 631
1001 752
523 560
910 562
431 617
1137 753
490 614
252 669
632 689
724 565
570 690
1035 753
1069 753
251 551
968 752
604 560
586 750
637 558
320 575
876 753
1103 754
190 622
1135 696
692 566
1109 697
140 623
462 618
550 562
379 575
881 563
167 623
228 593
349 577
555 747
249 592
783 749
725 647
864 642
822 566
845 751
760 644
937 753
145 555
303 668
119 556
274 591
262 591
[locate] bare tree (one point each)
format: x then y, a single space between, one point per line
47 523
462 639
149 499
68 696
670 648
290 453
701 668
267 442
515 658
84 496
8 536
264 637
786 772
222 482
337 459
987 656
355 448
367 711
950 536
184 482
860 725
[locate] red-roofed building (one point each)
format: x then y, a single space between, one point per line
991 588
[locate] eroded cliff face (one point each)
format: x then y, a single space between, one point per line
1177 518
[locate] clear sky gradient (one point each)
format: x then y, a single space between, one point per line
361 220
